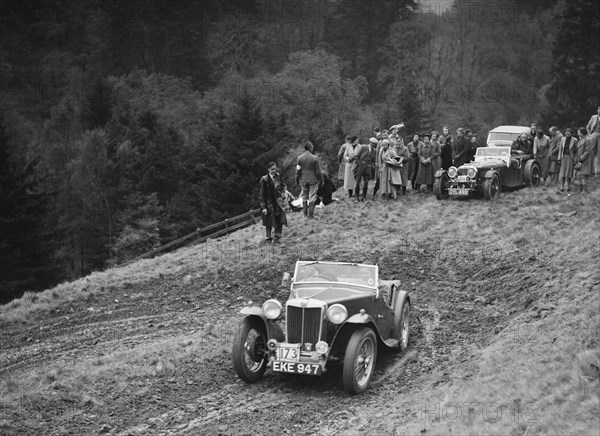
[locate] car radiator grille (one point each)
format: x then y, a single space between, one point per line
303 324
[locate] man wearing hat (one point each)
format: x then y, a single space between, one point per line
462 148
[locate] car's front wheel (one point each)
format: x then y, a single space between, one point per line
440 187
359 361
401 321
249 350
491 188
531 173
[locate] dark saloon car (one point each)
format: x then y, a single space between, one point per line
493 169
336 314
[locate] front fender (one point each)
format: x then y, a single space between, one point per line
342 336
439 173
274 330
253 310
490 173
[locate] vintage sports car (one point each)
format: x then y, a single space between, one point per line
336 314
493 169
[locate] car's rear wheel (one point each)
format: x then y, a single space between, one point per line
401 320
359 361
440 187
491 188
249 350
531 173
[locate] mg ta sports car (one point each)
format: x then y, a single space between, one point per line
493 169
336 313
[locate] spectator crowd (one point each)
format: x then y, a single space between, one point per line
565 158
395 164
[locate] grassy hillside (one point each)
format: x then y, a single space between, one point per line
504 331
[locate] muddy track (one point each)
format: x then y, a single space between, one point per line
200 394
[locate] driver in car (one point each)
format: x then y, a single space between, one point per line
523 144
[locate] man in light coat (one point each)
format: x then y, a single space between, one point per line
593 128
309 177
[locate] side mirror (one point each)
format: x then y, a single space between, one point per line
285 280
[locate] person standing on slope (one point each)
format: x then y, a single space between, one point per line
272 199
309 177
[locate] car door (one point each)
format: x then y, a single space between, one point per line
513 175
383 316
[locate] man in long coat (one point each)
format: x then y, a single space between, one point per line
363 164
349 177
309 177
541 153
413 148
554 167
272 199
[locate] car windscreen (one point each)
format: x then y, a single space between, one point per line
493 151
317 272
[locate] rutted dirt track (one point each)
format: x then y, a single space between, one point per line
457 307
202 394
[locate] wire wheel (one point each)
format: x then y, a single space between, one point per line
359 361
249 350
491 187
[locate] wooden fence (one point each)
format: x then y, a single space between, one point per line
202 235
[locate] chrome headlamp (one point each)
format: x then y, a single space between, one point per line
472 172
337 314
272 309
452 171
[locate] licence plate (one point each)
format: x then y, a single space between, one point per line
458 191
297 368
288 352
